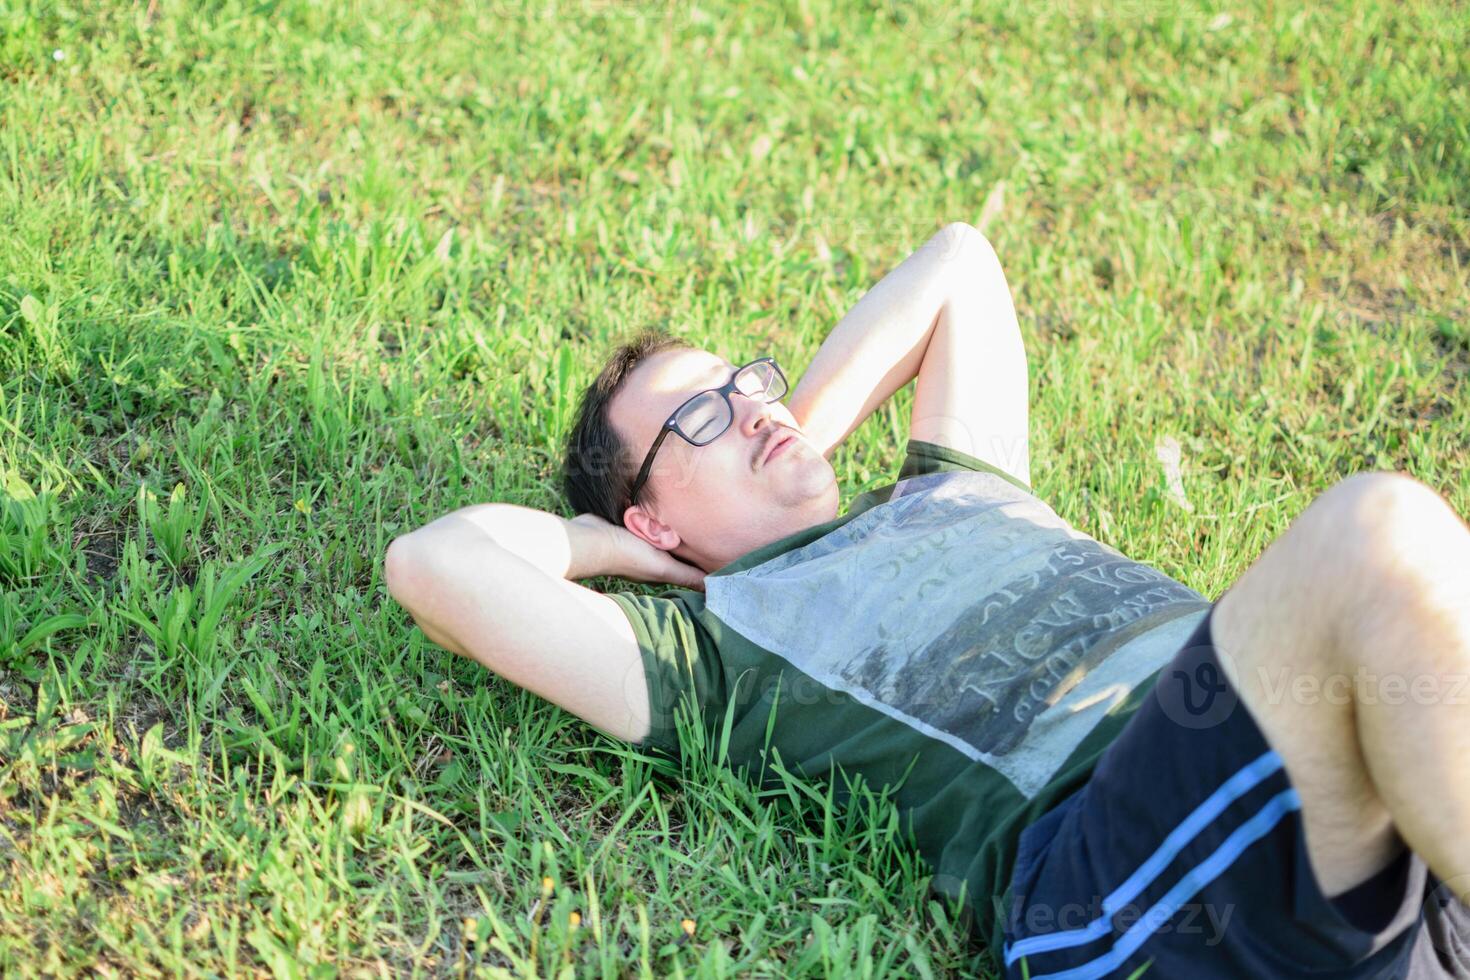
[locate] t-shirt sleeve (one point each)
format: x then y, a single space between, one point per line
922 458
681 663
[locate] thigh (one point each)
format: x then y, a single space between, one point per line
1272 631
1185 850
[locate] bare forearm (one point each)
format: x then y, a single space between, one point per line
553 544
879 345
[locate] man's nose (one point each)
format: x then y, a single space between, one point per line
753 414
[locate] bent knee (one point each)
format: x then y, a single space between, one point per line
1395 543
1387 518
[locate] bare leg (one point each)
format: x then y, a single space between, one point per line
1349 643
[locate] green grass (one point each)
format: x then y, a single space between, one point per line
281 280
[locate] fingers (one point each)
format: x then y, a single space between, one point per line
685 574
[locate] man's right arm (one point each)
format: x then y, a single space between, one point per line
489 582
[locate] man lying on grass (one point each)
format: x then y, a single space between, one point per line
1113 770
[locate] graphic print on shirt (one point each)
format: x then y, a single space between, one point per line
968 609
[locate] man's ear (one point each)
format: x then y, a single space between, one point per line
648 527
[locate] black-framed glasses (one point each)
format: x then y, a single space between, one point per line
705 417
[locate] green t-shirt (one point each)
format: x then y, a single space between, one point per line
949 636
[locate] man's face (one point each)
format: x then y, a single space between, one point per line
714 503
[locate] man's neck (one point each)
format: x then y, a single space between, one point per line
791 522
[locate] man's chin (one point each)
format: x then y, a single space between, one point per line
819 493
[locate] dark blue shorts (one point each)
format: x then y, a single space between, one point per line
1184 852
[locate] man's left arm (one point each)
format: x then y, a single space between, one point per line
945 316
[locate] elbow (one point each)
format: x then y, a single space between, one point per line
969 261
961 230
964 238
410 582
399 569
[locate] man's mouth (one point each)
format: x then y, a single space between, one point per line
775 443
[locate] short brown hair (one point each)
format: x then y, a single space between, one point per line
599 470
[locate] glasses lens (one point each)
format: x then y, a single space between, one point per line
761 380
703 419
